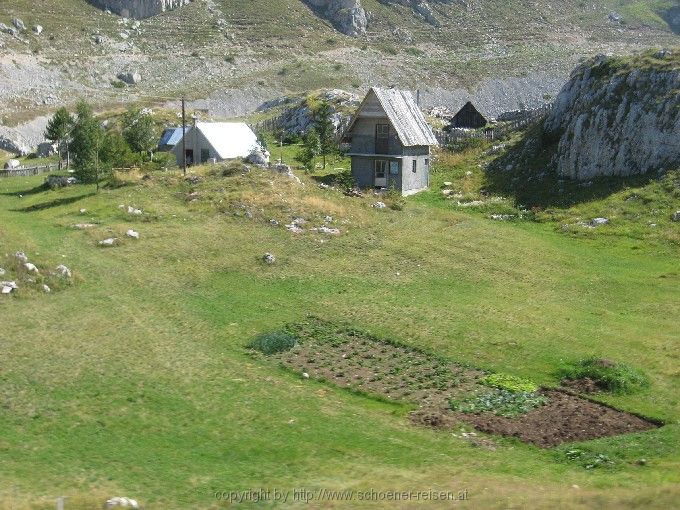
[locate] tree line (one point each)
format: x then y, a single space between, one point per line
94 147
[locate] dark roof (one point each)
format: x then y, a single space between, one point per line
404 114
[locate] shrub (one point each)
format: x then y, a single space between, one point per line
273 342
607 375
509 383
500 402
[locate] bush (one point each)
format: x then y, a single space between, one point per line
509 383
273 342
607 375
500 402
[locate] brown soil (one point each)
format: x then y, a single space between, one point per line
406 375
585 385
565 418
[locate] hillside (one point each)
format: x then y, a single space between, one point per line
275 47
158 399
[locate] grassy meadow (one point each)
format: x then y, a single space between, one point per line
134 380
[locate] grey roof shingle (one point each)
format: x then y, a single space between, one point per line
405 115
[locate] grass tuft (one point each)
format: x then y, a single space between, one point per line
608 375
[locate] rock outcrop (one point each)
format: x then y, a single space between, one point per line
617 117
138 9
348 16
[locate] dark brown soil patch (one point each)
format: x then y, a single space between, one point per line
585 385
357 361
565 418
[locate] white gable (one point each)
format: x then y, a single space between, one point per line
229 139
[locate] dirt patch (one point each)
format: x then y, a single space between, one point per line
565 418
358 361
585 385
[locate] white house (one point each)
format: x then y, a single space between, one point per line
206 141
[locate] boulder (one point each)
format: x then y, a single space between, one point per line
63 271
31 268
21 257
379 205
328 230
134 211
60 181
130 77
268 258
111 241
37 29
122 502
84 226
18 24
2 272
46 149
599 221
8 287
15 143
259 157
132 233
12 164
676 216
46 288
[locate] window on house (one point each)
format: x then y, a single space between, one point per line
382 138
427 162
415 166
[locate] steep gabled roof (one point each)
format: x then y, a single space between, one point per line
229 139
404 114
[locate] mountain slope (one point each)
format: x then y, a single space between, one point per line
285 45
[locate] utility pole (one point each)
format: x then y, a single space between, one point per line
96 162
184 136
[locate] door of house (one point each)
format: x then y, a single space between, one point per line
380 180
382 138
189 154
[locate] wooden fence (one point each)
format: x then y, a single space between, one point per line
30 170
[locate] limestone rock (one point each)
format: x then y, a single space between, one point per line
12 164
31 268
138 9
111 241
37 29
18 24
21 257
347 16
616 118
676 216
122 502
132 233
268 258
259 157
130 77
63 271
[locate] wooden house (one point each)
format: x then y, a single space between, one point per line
469 117
390 142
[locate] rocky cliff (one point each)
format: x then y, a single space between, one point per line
347 16
618 117
138 9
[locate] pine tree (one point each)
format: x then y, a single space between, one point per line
326 130
311 148
59 131
87 144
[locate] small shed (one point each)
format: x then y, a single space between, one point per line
171 137
469 117
206 141
390 142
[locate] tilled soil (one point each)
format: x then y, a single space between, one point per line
406 375
565 418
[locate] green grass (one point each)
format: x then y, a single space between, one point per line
608 375
136 380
